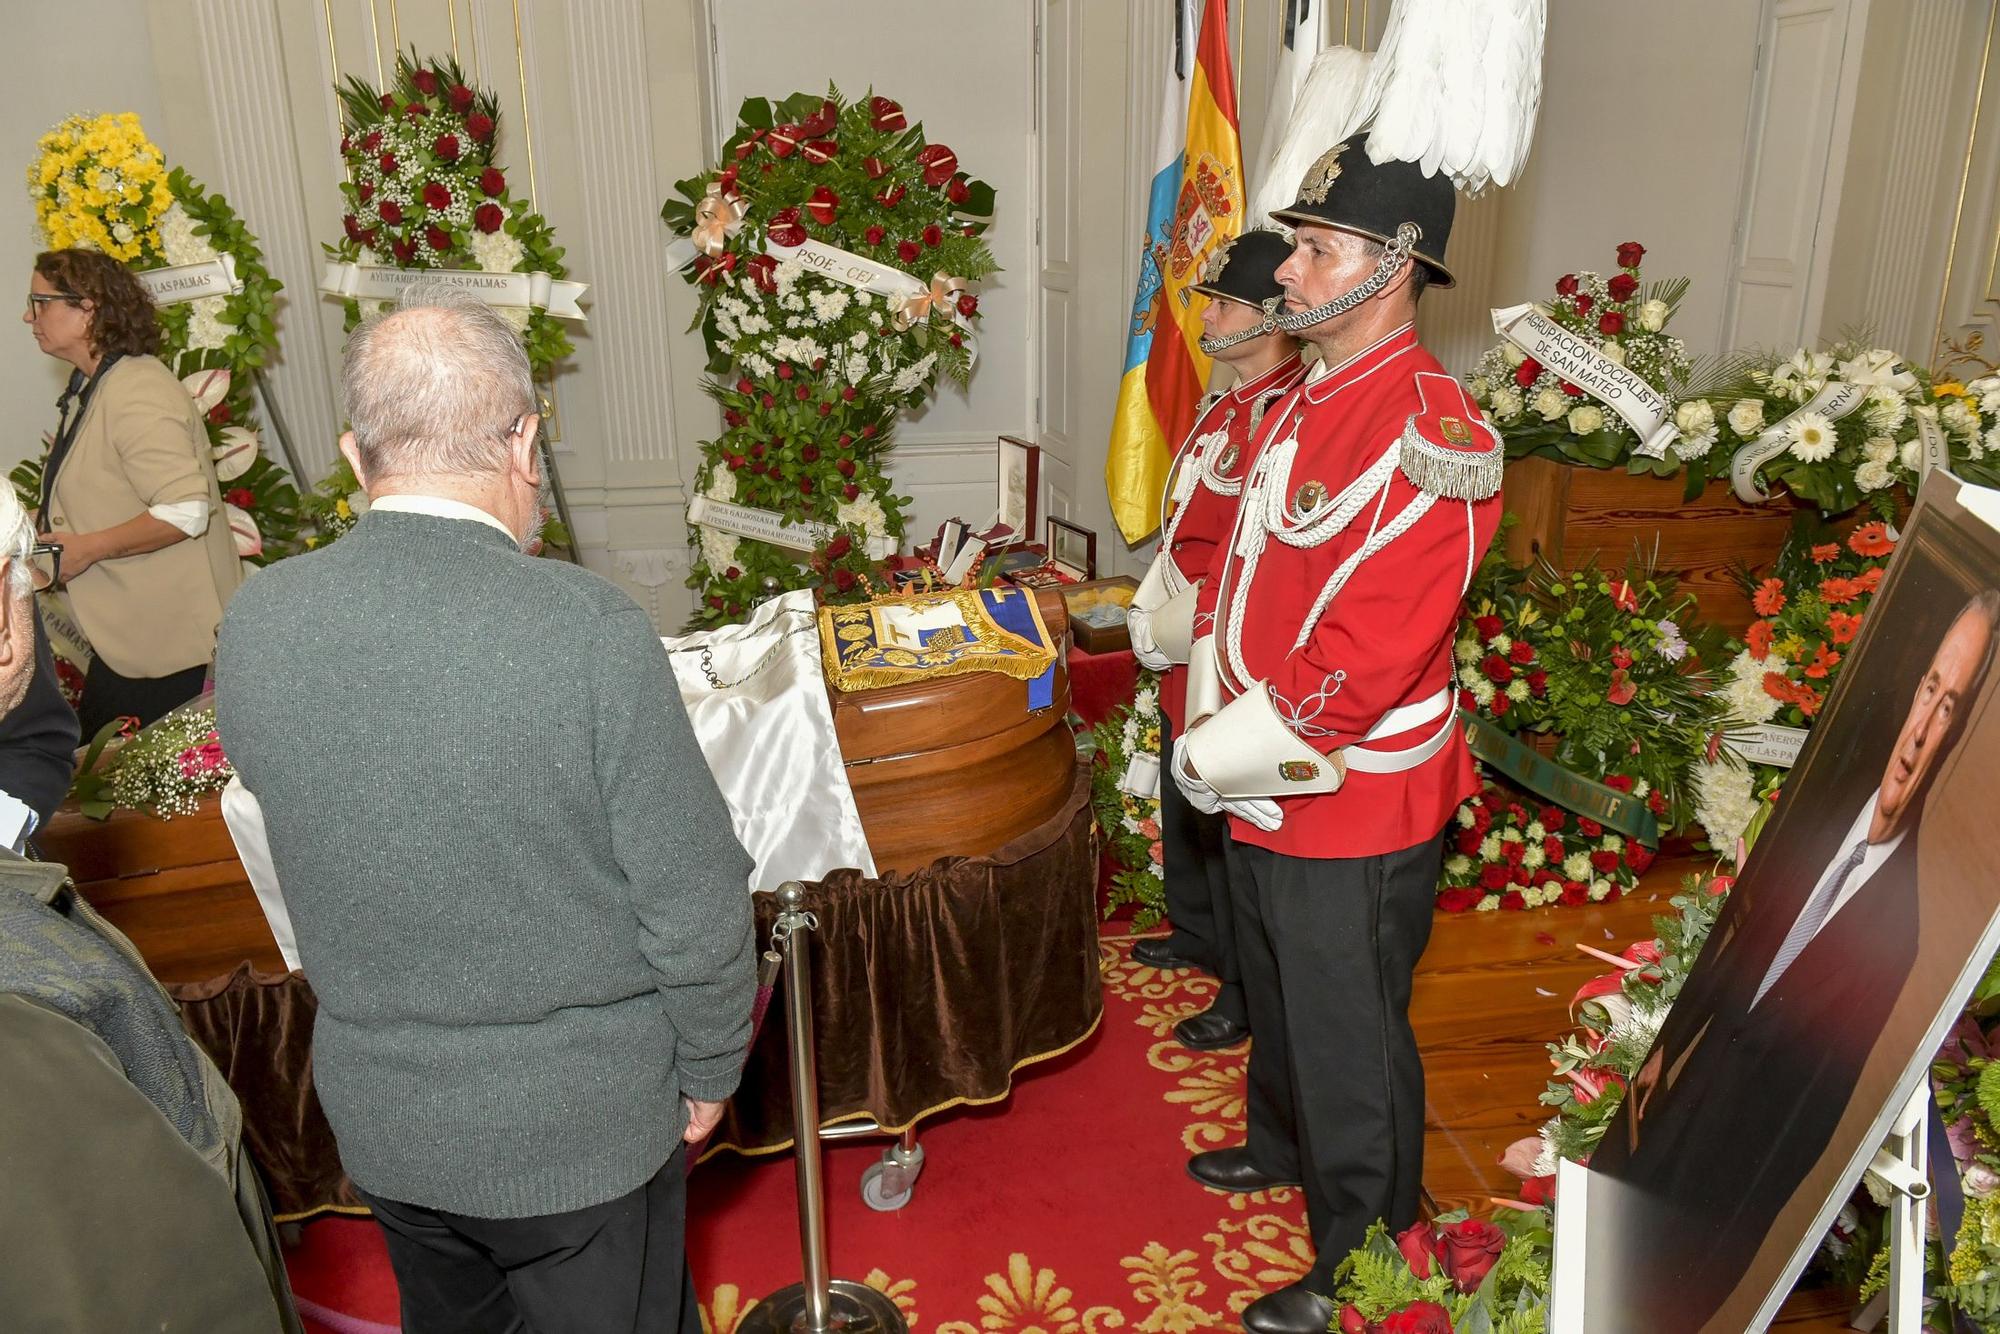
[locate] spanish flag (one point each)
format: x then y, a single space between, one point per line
1196 202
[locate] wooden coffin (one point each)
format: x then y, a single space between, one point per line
1571 515
956 766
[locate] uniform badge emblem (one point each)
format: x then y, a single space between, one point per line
1321 175
1455 430
1225 463
1298 771
1218 260
1309 497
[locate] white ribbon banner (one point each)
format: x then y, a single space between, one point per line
771 527
537 291
1834 401
1576 359
1769 744
864 274
190 282
1936 451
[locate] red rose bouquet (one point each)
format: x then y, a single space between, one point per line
1454 1272
1508 854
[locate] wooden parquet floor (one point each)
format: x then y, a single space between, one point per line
1492 992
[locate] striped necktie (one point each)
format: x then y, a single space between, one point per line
1812 919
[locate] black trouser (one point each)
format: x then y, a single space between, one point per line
1336 1090
1195 863
614 1268
107 695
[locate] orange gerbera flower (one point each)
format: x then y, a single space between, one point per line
1809 700
1868 580
1778 686
1826 551
1823 662
1758 637
1769 599
1871 539
1837 591
1843 626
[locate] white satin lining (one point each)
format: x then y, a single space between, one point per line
769 740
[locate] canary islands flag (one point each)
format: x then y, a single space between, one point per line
1196 202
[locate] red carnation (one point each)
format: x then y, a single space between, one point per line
1553 849
1553 817
492 183
885 115
479 126
1501 704
387 162
1567 285
968 305
1629 255
1656 802
1497 669
1458 900
438 237
907 251
1623 782
1588 827
436 196
426 82
1514 852
446 147
1522 651
1467 841
874 236
939 164
933 235
1488 627
1620 288
1575 894
1605 862
1611 324
391 211
489 218
1538 684
1638 857
461 98
1526 373
242 497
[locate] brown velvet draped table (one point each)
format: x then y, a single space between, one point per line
930 989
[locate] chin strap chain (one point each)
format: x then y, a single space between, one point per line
1269 324
1394 256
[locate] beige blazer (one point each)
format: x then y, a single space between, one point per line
141 444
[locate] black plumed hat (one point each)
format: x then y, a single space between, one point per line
1245 269
1345 189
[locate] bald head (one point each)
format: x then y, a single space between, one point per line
433 387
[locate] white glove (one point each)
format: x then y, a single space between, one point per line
1199 794
1139 626
1259 811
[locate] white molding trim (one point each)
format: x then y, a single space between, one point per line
631 337
1913 186
243 65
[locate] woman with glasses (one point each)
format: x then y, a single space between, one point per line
129 501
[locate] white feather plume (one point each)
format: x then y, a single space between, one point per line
1455 86
1327 110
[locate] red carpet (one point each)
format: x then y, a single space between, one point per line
1064 1208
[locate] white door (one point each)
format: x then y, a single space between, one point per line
1801 110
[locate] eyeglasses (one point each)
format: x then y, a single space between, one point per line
39 302
44 565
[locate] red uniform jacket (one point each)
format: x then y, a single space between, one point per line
1385 639
1203 521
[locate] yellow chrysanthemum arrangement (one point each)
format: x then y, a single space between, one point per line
101 184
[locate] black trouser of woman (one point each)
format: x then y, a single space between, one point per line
108 695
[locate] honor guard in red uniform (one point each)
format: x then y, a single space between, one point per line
1321 710
1240 329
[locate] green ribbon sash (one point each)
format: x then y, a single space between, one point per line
1520 762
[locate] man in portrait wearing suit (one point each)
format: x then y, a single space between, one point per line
1739 1099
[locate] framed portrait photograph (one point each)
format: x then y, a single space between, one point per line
1855 933
1019 485
1072 549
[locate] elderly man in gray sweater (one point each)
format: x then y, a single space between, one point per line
512 878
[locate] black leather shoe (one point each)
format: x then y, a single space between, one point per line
1208 1030
1232 1170
1294 1309
1158 952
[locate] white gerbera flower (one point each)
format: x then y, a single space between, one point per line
1810 436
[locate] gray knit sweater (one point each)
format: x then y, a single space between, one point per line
513 881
